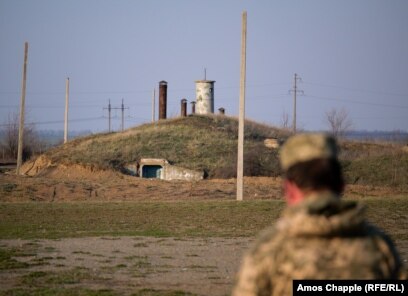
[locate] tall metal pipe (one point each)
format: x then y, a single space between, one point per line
162 99
183 108
193 103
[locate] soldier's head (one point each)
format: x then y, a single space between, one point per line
310 164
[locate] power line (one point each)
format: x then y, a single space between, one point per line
357 89
57 121
71 106
127 91
376 117
253 85
110 108
37 93
357 102
252 98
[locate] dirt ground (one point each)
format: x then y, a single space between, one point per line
127 264
75 183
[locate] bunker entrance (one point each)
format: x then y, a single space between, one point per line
152 171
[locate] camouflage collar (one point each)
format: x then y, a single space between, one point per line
323 215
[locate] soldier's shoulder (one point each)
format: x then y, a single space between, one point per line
268 240
377 233
381 234
386 246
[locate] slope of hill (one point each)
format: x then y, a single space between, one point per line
196 142
209 143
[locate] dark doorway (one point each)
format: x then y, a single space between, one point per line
152 171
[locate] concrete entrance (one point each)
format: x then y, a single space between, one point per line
152 171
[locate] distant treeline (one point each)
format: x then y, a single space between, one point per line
53 137
388 136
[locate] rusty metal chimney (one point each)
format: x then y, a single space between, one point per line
222 111
162 99
192 107
183 108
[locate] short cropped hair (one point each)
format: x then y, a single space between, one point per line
317 174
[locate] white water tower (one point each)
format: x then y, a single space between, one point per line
204 97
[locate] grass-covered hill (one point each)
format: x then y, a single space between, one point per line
209 143
206 143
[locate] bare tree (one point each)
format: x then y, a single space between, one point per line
285 120
339 122
10 141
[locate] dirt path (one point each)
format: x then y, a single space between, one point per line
127 264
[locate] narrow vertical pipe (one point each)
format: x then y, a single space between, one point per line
183 111
162 100
193 103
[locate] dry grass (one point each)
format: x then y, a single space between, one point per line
36 269
176 219
209 143
195 219
197 142
386 168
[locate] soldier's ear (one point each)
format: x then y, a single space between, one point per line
293 194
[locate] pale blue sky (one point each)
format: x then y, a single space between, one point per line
350 54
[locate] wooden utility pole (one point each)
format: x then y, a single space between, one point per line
66 111
154 105
240 163
22 108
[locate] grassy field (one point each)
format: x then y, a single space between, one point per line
158 219
165 219
43 274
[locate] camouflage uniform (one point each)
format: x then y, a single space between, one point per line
320 238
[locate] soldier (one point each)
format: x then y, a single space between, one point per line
319 236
